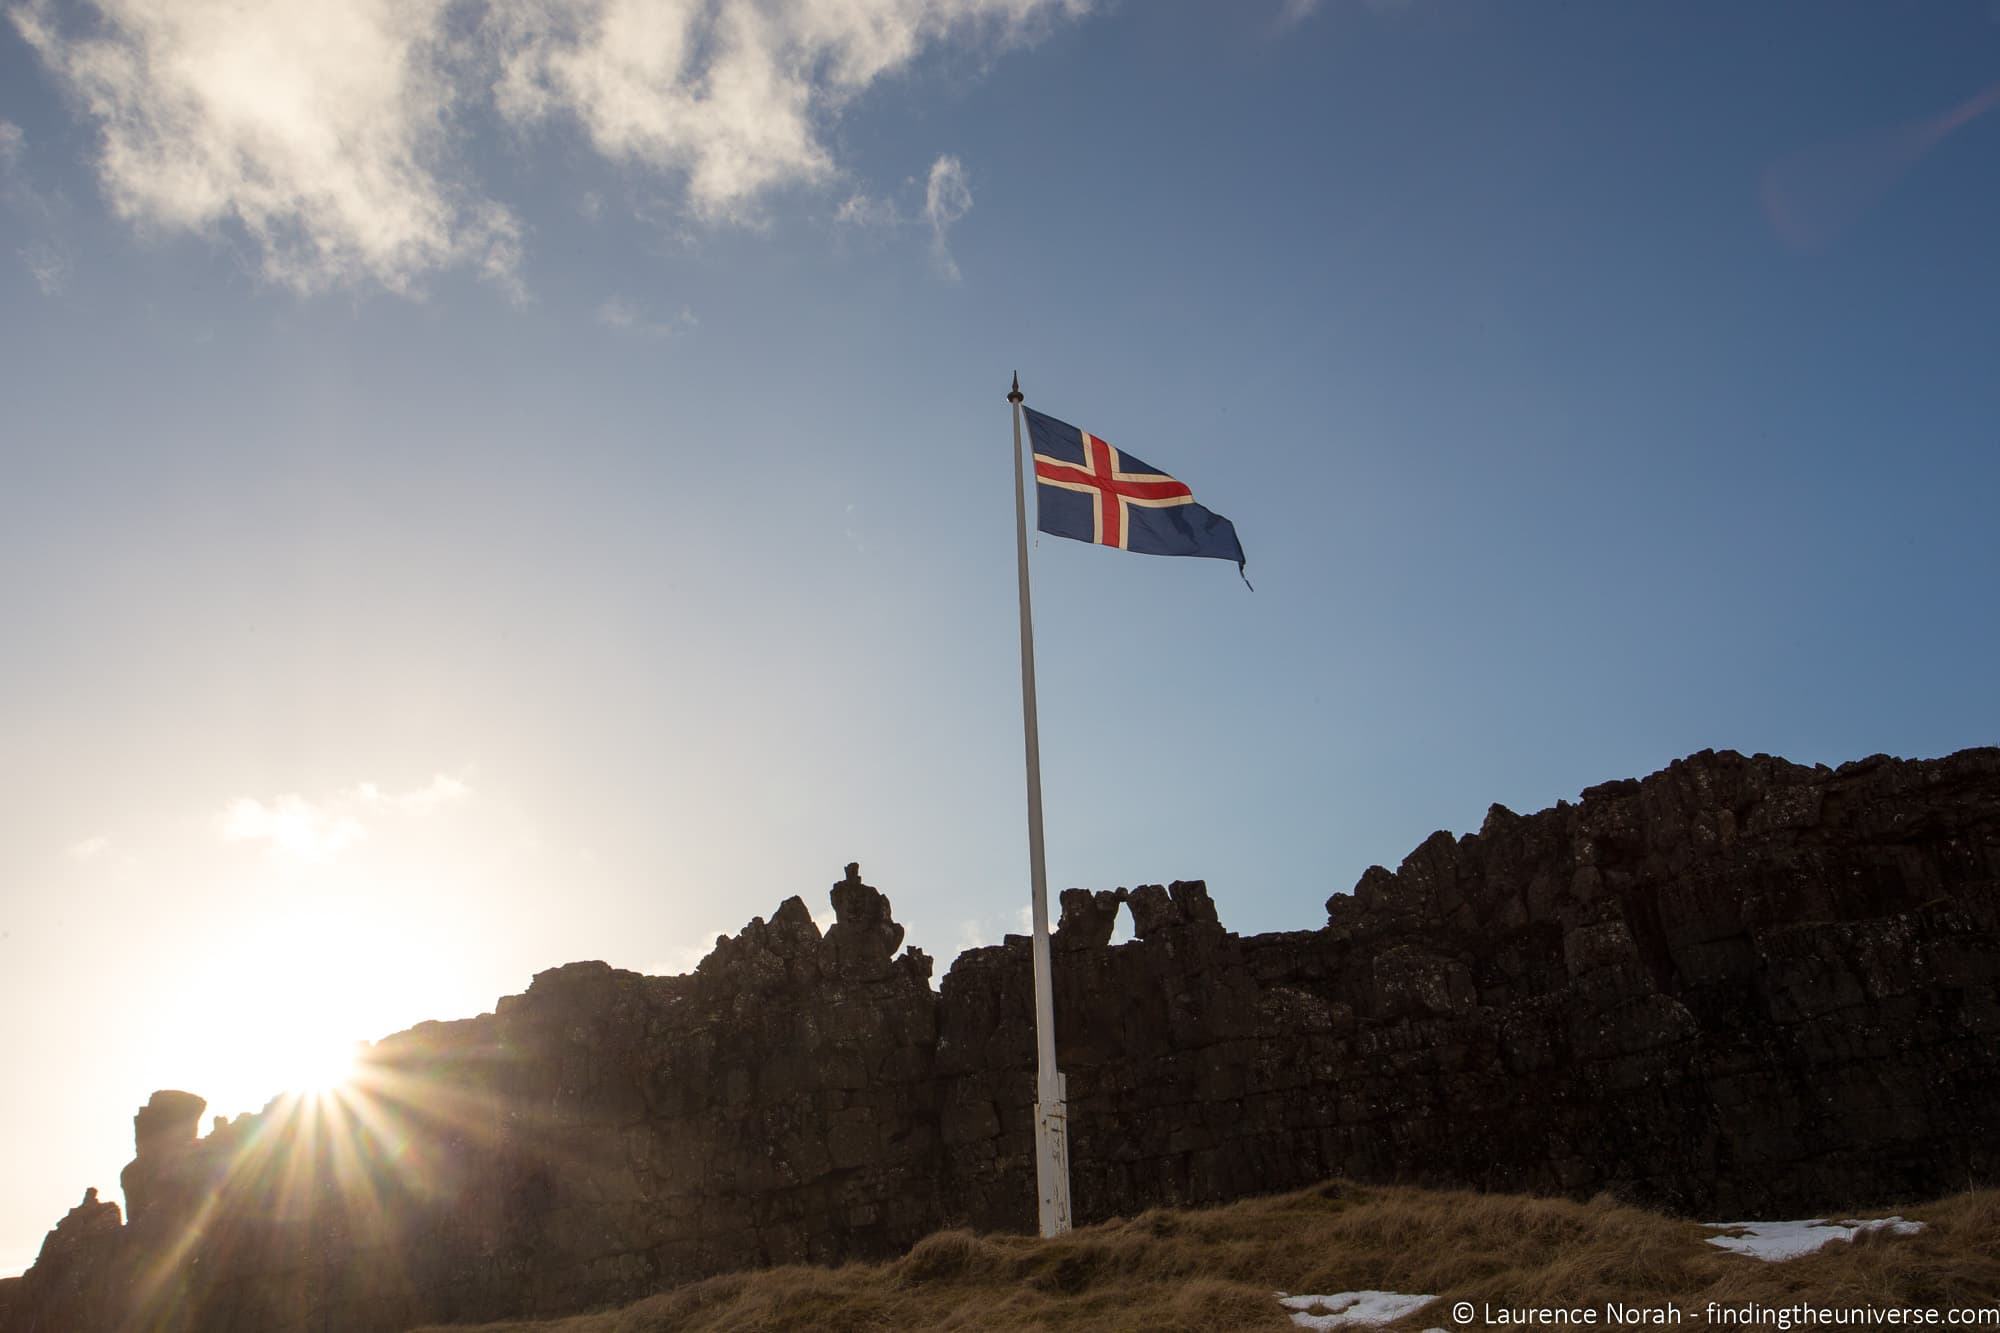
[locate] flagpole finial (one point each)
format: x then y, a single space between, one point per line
1014 394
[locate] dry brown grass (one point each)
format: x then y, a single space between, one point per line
1217 1269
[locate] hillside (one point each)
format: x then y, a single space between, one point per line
1210 1270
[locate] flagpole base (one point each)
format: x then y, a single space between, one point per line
1052 1163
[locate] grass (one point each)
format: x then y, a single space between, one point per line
1218 1269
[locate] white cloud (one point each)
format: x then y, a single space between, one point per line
947 198
733 96
329 133
11 139
316 127
89 849
618 313
669 84
291 825
442 789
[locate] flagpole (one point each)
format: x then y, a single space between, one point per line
1051 1111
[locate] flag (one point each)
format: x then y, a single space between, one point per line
1090 492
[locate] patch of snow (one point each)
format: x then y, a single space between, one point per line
1775 1242
1362 1309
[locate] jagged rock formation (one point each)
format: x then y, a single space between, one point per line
1738 986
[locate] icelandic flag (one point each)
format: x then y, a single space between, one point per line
1090 492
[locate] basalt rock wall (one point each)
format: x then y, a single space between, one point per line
1737 986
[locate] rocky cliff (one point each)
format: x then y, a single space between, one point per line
1737 986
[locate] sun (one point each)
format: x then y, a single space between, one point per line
278 1013
315 1066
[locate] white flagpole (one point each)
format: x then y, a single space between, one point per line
1051 1112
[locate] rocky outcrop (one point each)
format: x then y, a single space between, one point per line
1737 986
77 1279
165 1181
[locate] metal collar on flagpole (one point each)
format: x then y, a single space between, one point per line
1051 1111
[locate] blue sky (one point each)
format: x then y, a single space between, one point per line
480 492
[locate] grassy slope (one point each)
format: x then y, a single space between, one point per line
1218 1269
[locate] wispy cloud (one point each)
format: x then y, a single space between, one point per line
46 257
685 958
979 932
618 313
48 266
89 849
861 210
496 244
947 198
290 825
1298 11
331 133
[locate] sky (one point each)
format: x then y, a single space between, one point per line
491 484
